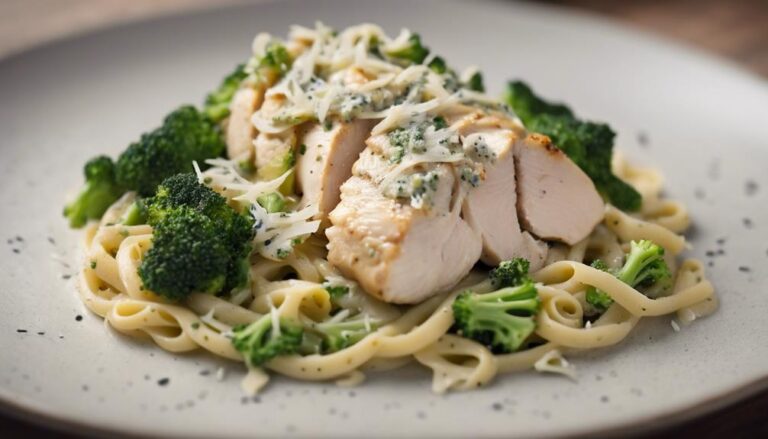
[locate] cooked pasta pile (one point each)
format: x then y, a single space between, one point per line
326 170
111 288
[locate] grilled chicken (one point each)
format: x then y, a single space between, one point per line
557 200
396 252
325 161
491 208
240 130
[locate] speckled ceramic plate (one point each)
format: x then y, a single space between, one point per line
703 122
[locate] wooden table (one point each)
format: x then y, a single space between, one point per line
737 30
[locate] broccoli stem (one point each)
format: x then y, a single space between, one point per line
134 215
99 192
644 270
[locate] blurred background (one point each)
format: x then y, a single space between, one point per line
736 30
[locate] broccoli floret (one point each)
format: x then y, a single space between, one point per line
185 136
644 270
439 122
217 102
188 255
588 144
336 291
510 273
274 64
276 57
259 343
413 53
183 192
475 82
437 65
528 106
99 192
272 202
501 320
337 335
598 299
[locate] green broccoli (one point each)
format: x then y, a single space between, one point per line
217 102
510 273
273 65
259 343
413 53
99 192
475 82
502 319
528 105
336 291
185 136
337 335
188 255
644 269
182 193
272 202
588 144
276 58
135 214
437 65
281 163
599 300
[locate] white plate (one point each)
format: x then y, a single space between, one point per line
707 126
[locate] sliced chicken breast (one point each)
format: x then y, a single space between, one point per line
396 252
240 132
557 200
325 161
491 207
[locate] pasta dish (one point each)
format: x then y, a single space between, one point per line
346 202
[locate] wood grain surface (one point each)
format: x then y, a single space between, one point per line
737 30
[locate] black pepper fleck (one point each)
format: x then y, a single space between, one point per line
78 318
747 223
497 406
163 381
15 250
744 269
604 398
642 139
21 331
750 188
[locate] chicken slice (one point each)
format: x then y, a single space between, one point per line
240 131
491 207
325 161
557 200
397 253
